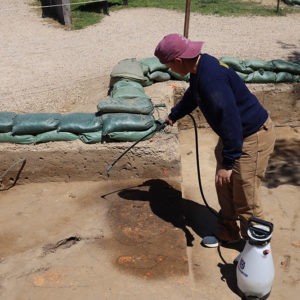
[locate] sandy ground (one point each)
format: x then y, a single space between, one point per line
47 68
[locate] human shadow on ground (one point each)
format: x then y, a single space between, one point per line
168 204
284 165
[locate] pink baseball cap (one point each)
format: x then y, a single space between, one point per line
176 45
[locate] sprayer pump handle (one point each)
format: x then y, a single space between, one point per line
262 222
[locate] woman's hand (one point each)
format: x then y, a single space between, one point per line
223 176
169 121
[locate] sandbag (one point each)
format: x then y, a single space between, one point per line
153 64
284 77
159 76
35 123
80 122
242 76
131 136
127 90
91 137
128 69
177 76
119 105
261 77
236 64
6 121
55 136
257 64
286 66
16 139
145 68
126 82
116 122
148 82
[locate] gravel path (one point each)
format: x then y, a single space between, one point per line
47 68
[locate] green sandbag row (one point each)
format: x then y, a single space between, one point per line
262 76
115 126
250 65
50 136
35 123
46 127
259 71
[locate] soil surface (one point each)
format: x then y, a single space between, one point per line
134 239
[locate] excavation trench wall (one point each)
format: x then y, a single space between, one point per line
160 158
76 161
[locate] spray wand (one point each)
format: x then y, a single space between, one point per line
158 128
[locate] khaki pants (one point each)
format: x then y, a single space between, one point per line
241 197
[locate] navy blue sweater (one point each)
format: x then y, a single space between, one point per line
231 110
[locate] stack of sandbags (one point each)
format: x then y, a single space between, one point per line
128 69
127 114
49 127
259 71
157 72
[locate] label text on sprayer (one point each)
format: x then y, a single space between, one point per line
241 267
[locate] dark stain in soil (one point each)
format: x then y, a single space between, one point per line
149 224
146 244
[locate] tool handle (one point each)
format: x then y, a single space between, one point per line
158 128
162 126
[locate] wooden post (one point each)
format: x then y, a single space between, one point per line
66 12
187 18
278 3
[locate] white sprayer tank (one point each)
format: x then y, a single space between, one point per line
255 268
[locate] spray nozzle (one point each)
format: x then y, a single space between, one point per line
158 128
162 126
108 170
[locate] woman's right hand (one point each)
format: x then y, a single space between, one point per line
169 121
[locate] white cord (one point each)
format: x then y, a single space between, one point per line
34 7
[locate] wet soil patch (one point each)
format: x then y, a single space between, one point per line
148 241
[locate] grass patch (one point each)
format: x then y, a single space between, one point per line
84 15
214 7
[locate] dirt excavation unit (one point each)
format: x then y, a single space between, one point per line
69 232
